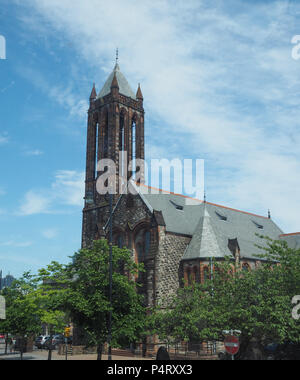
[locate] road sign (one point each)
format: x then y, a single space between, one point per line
232 344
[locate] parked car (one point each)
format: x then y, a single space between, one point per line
2 338
54 342
40 340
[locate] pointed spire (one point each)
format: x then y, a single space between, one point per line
114 83
117 67
93 93
139 94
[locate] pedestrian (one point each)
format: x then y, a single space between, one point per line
10 344
13 344
162 354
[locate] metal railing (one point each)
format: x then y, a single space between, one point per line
178 351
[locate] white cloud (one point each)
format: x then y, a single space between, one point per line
4 139
50 233
16 244
68 187
4 89
34 203
34 152
64 95
66 190
219 76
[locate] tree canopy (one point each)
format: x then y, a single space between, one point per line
82 290
257 302
79 293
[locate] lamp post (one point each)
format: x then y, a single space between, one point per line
110 277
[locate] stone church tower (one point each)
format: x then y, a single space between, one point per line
115 131
176 241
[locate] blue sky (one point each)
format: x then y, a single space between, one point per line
219 84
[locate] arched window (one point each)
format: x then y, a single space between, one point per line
188 276
140 252
97 147
195 274
246 267
120 241
142 244
147 242
105 142
206 274
122 146
133 147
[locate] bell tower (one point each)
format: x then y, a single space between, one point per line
115 131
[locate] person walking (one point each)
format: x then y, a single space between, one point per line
13 344
10 344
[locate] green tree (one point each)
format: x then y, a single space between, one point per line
28 307
82 290
22 311
257 302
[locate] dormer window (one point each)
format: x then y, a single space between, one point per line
178 207
260 226
221 217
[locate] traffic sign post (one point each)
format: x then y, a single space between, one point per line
232 345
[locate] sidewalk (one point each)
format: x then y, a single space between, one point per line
43 355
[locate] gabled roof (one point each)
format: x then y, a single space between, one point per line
228 224
204 242
124 87
293 239
209 225
182 219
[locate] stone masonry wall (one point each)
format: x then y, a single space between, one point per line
167 264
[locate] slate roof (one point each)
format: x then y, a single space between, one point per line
293 240
211 226
220 224
124 87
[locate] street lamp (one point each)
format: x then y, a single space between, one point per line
110 277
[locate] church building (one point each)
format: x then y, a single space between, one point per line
176 241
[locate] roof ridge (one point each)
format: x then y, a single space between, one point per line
291 234
202 201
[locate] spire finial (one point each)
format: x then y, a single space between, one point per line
117 56
93 93
204 196
269 214
139 94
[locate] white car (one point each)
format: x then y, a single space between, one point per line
40 340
